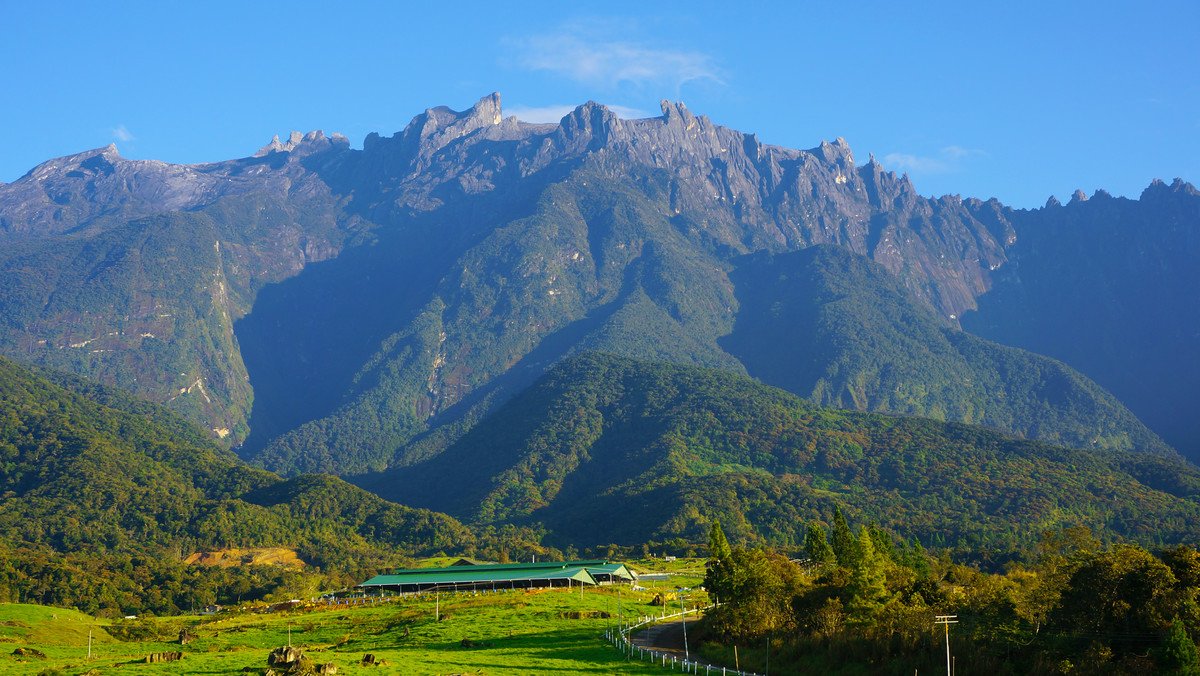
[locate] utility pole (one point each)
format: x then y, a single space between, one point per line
683 613
946 621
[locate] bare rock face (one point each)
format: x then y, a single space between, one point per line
749 195
303 144
68 192
98 189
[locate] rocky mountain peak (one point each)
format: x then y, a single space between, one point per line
92 158
884 189
435 129
676 113
837 152
1158 189
588 127
303 144
438 126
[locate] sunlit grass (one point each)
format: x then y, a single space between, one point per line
509 633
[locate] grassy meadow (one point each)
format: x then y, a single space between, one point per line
509 632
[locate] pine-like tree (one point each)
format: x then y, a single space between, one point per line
1177 654
718 579
816 545
718 546
867 581
843 540
917 560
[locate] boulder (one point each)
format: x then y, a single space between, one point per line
284 656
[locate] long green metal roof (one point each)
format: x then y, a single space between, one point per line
541 565
470 574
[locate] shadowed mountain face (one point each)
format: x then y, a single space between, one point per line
607 449
843 332
1109 286
359 309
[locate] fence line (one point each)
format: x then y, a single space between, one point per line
620 639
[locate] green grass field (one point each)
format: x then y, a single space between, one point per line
511 632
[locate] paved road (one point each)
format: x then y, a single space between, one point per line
666 637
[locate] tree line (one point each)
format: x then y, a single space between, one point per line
869 602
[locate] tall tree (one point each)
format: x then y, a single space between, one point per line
869 576
718 579
816 545
718 546
843 540
916 559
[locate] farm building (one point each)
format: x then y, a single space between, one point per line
501 576
610 573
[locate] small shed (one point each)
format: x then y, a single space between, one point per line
612 573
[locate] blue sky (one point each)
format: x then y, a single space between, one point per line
1016 100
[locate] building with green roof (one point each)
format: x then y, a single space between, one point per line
501 576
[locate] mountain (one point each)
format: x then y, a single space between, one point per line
1108 286
608 449
322 308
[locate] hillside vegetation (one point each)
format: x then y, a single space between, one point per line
866 604
842 331
605 449
99 507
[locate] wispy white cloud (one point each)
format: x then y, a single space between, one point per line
947 160
556 113
122 134
595 60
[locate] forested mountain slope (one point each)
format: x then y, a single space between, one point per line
605 449
80 476
841 331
